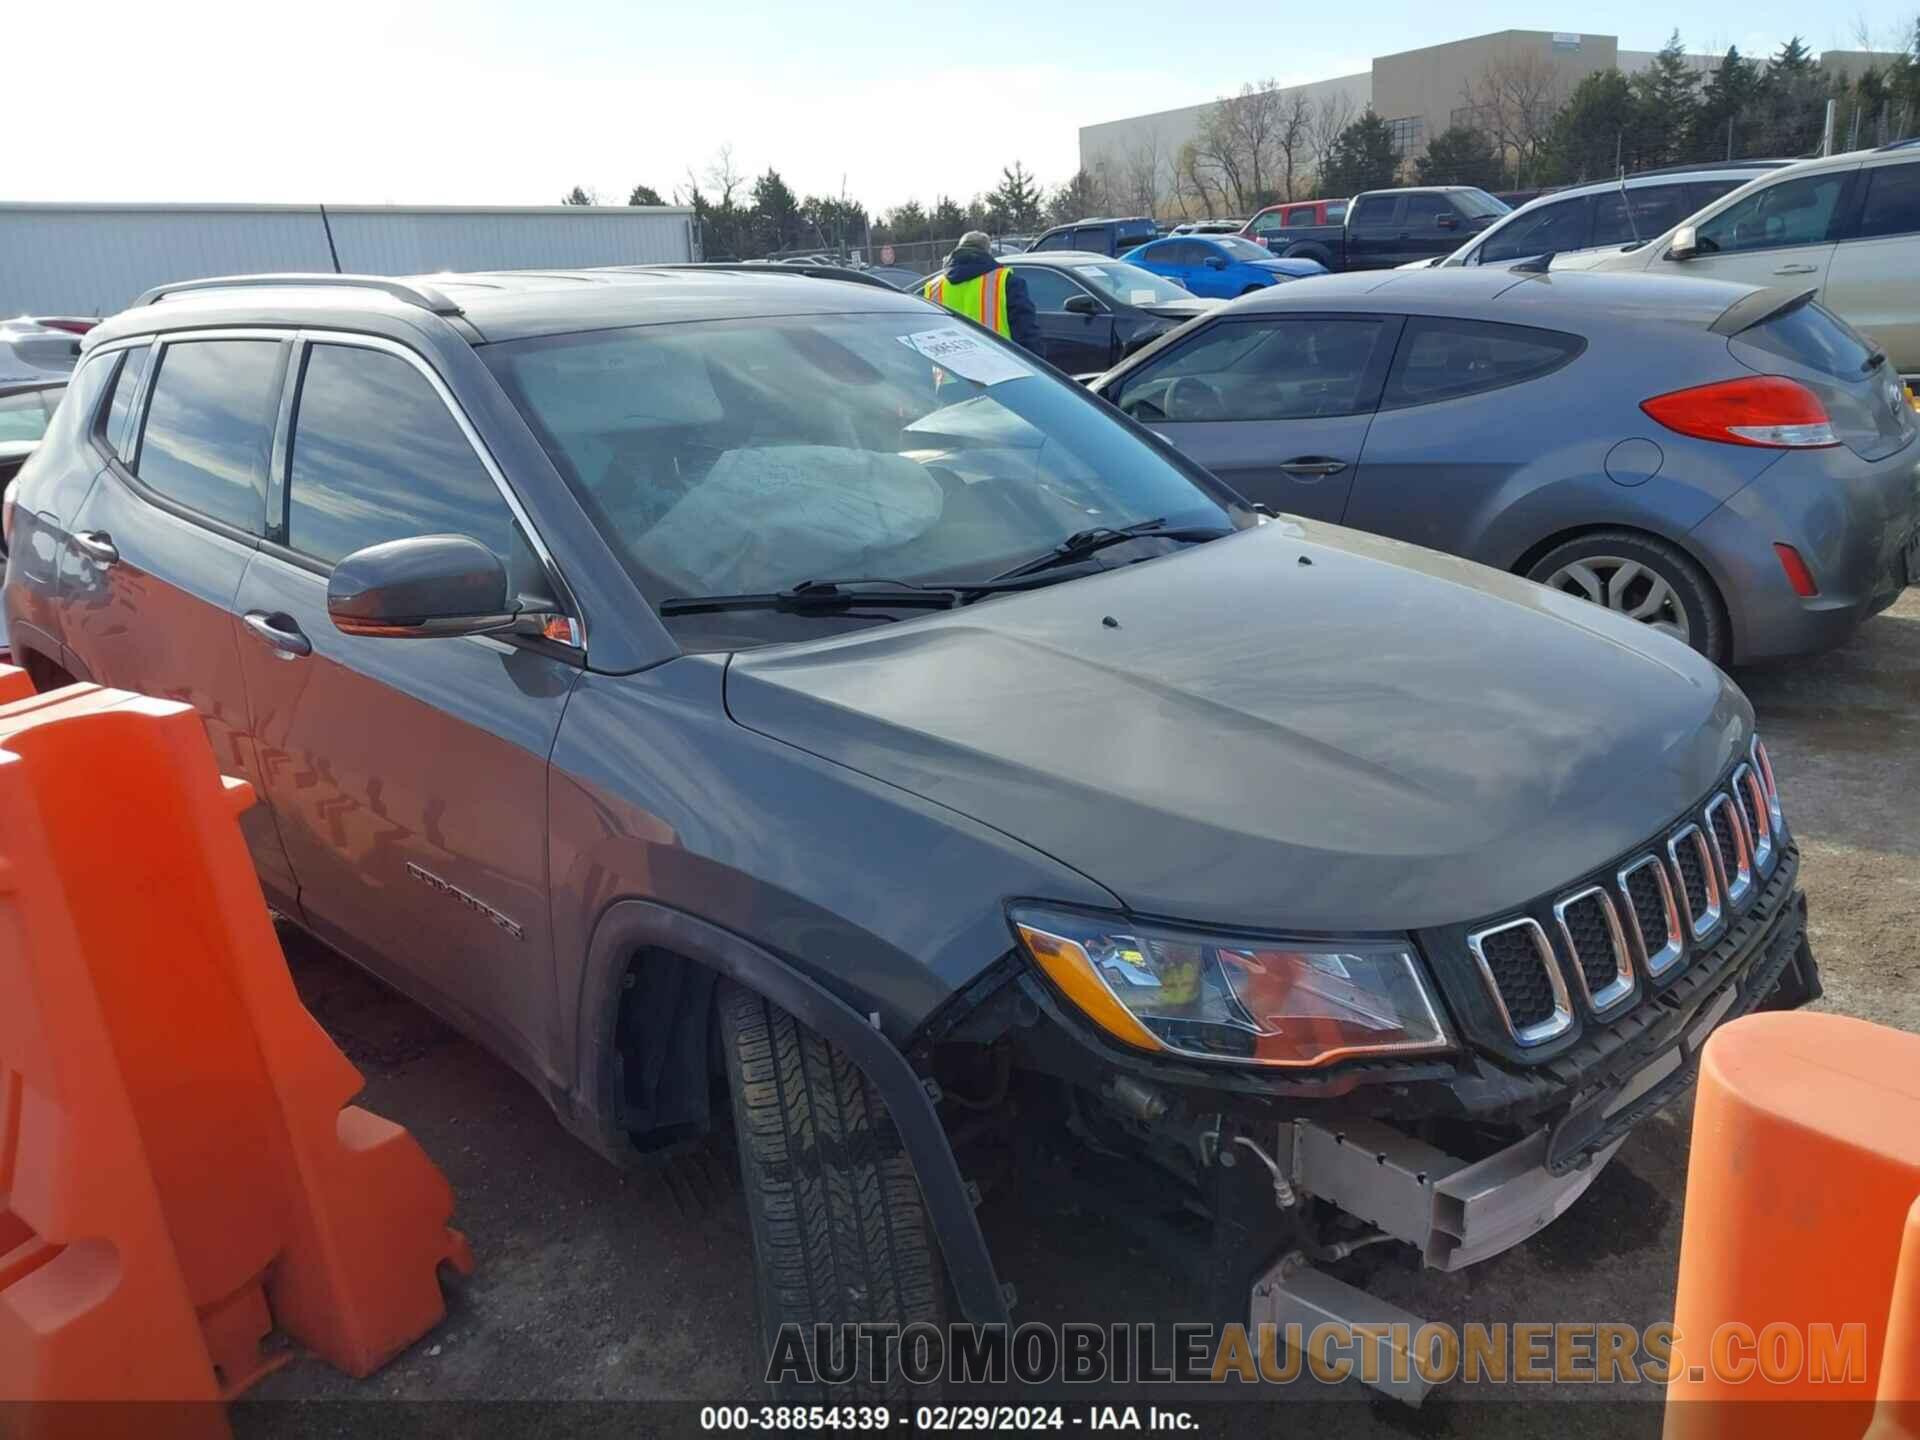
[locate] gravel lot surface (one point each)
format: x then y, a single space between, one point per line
597 1286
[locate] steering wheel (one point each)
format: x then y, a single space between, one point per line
1191 398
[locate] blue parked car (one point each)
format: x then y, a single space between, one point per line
1220 266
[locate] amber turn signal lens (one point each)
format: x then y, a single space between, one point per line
1068 965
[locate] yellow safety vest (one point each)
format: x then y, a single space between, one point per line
983 298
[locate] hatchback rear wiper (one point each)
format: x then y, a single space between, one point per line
1082 543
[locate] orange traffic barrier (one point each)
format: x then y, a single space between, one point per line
180 1172
14 684
1801 1186
1897 1416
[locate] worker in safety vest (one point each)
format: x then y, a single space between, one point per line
979 287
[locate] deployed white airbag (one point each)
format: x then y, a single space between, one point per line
768 518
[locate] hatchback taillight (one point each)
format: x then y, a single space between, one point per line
1766 410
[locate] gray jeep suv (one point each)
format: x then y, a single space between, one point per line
759 702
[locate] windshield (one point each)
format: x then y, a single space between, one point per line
1479 202
1126 284
1243 249
749 456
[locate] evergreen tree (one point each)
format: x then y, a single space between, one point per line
949 220
1460 156
1078 199
579 195
1363 158
644 195
1015 203
1792 102
1667 96
1723 125
1597 133
776 213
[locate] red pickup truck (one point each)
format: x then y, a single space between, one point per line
1268 224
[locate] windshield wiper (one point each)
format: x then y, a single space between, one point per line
1082 543
815 595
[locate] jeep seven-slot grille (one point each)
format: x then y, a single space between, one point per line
1592 938
1520 975
1642 922
1649 902
1693 878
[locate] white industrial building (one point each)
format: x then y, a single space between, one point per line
93 259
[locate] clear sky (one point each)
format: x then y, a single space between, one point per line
514 101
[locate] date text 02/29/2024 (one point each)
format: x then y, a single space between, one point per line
941 1418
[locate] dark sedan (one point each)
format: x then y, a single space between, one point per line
1094 311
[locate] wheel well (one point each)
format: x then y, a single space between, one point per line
1534 554
664 1057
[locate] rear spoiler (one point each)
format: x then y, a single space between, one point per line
1758 308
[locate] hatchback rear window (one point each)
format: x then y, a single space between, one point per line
1443 359
1808 334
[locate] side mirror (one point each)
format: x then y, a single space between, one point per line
420 588
1216 262
1081 305
1686 244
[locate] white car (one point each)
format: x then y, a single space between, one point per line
1847 226
1603 215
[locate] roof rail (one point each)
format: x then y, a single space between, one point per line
1907 144
425 296
759 267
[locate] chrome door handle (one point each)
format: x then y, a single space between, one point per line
1796 269
97 546
279 632
1313 466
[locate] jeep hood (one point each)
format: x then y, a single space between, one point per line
1300 727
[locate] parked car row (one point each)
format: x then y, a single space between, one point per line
816 711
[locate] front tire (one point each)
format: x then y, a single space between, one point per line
840 1231
1643 578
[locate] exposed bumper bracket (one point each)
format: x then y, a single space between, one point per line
1454 1212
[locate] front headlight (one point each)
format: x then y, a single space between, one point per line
1253 1002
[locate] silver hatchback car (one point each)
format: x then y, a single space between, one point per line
1733 466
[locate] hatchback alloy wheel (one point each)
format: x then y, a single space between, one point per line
1629 587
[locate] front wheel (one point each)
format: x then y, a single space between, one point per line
840 1231
1643 578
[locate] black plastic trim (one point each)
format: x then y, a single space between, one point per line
629 926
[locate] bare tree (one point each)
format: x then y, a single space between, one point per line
1513 100
1331 117
1197 179
1140 177
1239 136
1293 139
724 176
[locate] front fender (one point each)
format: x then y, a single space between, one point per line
633 925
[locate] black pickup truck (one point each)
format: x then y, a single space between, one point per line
1384 228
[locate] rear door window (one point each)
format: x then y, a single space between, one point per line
1091 237
1793 212
1893 202
1443 359
377 456
1059 240
1550 229
1286 369
1375 210
209 428
116 426
1623 217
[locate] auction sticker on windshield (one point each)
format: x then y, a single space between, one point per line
966 357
